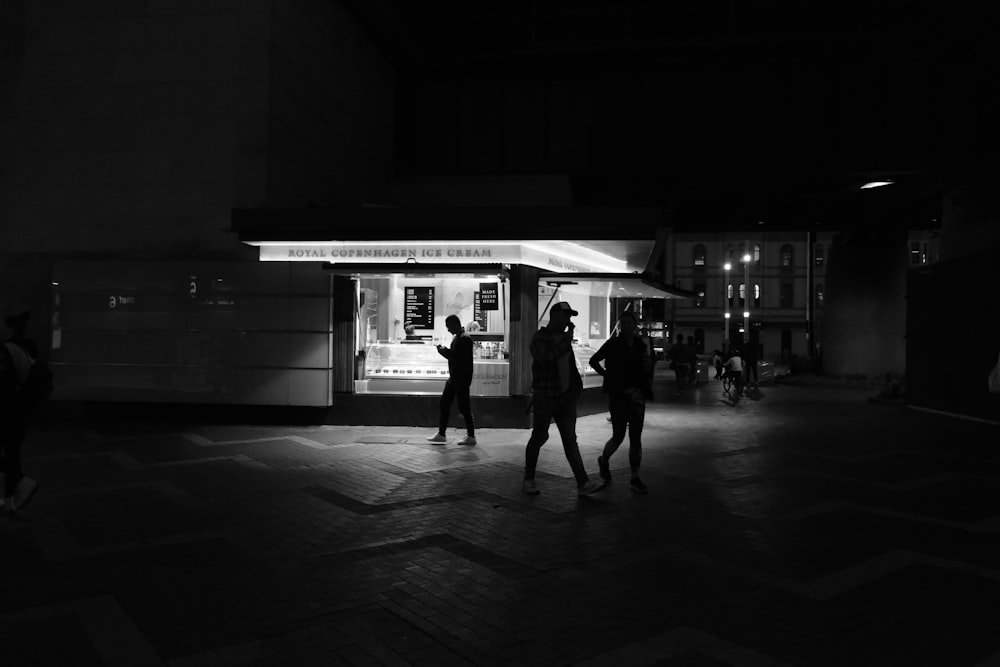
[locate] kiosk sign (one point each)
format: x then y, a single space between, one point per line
419 307
489 298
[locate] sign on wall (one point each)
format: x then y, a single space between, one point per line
489 296
419 307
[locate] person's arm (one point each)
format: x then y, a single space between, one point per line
598 357
444 352
546 348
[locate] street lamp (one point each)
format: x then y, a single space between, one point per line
725 294
746 294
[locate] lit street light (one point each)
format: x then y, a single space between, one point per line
725 297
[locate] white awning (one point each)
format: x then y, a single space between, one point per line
609 285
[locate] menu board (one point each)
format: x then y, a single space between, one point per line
477 312
418 307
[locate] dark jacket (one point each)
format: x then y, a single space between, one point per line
625 366
459 357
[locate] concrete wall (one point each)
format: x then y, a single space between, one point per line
134 127
864 322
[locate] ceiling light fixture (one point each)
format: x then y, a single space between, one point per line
875 184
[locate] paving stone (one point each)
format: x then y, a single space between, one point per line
810 527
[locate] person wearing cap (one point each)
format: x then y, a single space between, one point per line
17 353
556 386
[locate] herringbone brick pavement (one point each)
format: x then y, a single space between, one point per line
804 526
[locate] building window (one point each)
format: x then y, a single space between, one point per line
786 257
785 296
756 295
819 295
743 294
699 301
729 294
756 254
699 255
819 254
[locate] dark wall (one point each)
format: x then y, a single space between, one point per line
864 317
733 113
953 336
330 108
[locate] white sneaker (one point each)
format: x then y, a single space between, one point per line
467 440
528 487
590 486
438 439
25 490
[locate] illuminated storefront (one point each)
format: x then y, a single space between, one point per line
391 297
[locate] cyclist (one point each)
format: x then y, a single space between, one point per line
733 369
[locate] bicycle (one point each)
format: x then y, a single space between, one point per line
727 385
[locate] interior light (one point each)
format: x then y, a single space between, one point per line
55 284
746 257
727 266
875 184
746 314
727 316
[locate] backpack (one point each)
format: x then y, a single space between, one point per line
37 385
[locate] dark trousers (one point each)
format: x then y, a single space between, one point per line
453 390
11 438
562 409
626 413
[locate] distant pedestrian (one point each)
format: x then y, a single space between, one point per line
17 355
459 357
717 362
556 387
628 384
750 355
682 360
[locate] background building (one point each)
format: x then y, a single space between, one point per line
129 132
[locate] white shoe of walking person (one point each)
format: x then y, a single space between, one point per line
591 486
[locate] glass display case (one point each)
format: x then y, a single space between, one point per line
582 353
417 368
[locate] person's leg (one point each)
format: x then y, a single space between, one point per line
565 416
542 411
447 396
618 406
636 419
465 407
11 437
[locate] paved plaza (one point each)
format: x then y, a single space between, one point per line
803 526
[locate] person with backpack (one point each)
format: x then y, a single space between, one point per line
24 382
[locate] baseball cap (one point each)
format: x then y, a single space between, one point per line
562 305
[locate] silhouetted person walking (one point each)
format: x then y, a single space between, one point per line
627 373
459 357
556 387
17 355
